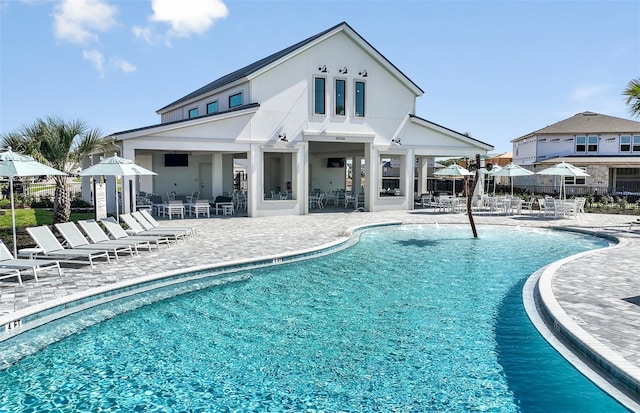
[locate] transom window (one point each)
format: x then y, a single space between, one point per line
359 99
319 96
212 107
235 100
340 97
193 113
625 143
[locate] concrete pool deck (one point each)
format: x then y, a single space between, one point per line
598 292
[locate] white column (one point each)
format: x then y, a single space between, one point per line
217 178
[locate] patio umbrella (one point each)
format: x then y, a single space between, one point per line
453 171
563 169
116 166
13 164
494 169
511 170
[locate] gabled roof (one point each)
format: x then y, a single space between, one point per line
262 63
588 122
460 135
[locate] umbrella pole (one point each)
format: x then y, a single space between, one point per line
13 218
511 179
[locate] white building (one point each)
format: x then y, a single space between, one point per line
299 117
606 147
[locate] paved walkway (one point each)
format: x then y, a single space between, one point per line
600 292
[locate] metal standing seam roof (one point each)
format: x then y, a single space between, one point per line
588 122
255 66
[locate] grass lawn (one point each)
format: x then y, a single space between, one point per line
28 217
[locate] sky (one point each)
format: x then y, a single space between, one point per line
496 70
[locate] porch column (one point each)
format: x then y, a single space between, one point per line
254 178
423 174
217 186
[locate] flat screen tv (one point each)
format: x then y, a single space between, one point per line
176 159
335 163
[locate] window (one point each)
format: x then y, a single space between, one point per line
625 143
576 180
319 96
193 113
592 144
581 143
212 107
340 96
636 143
360 99
235 100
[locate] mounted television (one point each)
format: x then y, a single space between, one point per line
176 159
335 163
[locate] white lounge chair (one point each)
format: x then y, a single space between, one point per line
7 260
136 228
9 272
117 232
50 247
98 236
145 217
75 239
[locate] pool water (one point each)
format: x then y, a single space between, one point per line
410 319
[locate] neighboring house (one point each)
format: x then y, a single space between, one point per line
606 147
317 114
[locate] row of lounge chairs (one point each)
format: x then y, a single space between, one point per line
87 241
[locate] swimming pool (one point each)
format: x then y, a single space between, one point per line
414 318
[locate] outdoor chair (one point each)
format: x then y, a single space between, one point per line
98 236
149 223
75 239
49 246
7 260
135 228
10 272
117 232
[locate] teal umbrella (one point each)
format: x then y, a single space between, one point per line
13 164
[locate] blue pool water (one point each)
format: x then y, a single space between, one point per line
411 319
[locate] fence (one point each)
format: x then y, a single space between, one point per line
39 190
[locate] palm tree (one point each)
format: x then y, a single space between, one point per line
61 145
632 92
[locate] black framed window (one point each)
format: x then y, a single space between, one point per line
636 143
360 99
340 97
581 143
319 96
193 113
592 143
212 107
235 100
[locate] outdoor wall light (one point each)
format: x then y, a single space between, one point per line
363 73
344 70
396 141
283 137
323 69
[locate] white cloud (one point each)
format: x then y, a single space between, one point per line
185 18
121 64
96 58
77 21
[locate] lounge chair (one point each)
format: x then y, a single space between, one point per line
98 236
148 223
50 247
10 272
7 260
136 228
76 240
116 231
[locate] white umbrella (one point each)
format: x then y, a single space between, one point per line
494 169
512 170
453 171
13 164
563 169
116 166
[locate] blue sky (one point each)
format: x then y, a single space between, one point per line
494 69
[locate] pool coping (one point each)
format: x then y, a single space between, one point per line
600 364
